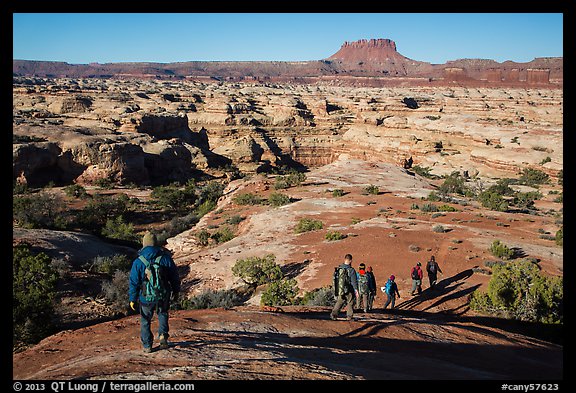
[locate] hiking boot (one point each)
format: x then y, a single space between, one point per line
163 341
349 318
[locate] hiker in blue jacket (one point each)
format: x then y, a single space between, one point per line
149 299
391 290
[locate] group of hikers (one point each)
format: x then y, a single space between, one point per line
358 289
154 282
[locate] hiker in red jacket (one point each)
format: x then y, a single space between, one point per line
416 274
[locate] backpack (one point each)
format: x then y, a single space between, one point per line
154 285
363 283
415 275
432 267
388 287
341 281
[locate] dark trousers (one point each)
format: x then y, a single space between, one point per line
432 278
363 300
390 299
349 300
146 314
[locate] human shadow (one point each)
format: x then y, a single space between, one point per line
293 269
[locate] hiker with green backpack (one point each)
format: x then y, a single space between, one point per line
363 280
153 282
345 288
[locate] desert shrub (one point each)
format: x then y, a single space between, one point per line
33 294
277 199
493 201
525 200
280 293
434 197
175 226
109 264
75 191
40 210
115 290
424 172
100 209
211 191
257 270
500 250
519 290
203 237
205 207
335 235
223 235
533 177
338 192
559 237
559 198
436 215
370 190
247 199
118 229
307 224
545 160
319 297
453 184
19 188
291 179
235 220
413 248
414 206
226 298
447 208
174 197
438 229
356 220
561 177
429 207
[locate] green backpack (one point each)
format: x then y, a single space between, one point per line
342 285
154 285
362 283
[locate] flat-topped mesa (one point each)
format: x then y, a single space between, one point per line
375 50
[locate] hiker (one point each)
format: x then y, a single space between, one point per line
363 287
143 276
371 287
391 290
345 288
416 274
433 269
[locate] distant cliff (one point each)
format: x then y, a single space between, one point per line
364 62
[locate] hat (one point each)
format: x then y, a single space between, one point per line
149 239
392 277
418 264
362 266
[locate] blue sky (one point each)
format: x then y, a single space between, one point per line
81 38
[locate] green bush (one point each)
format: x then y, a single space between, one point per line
203 237
337 192
434 197
174 197
533 177
118 229
319 297
424 172
519 290
291 179
438 228
40 210
447 208
235 220
75 191
500 250
307 224
278 199
177 225
33 294
493 201
225 298
280 293
100 209
429 207
247 199
453 184
371 190
257 271
211 191
223 235
560 237
335 235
